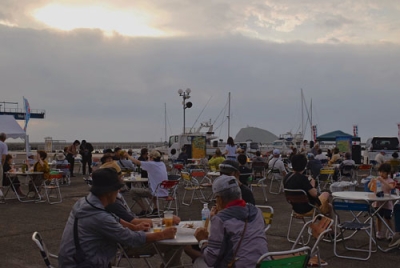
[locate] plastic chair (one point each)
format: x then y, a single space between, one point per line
297 258
260 183
171 186
37 238
295 198
320 225
356 224
64 168
53 185
268 214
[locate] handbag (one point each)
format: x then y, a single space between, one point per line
234 259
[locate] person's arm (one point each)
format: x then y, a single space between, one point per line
3 159
143 226
134 160
168 233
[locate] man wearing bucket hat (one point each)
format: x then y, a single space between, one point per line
91 234
237 229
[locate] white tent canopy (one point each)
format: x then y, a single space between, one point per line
9 125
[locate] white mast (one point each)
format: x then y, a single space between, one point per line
229 114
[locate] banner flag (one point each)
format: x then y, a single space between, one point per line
355 130
27 113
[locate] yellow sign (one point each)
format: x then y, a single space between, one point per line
198 147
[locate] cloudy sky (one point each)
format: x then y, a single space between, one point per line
106 70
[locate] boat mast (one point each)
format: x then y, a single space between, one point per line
229 114
165 122
302 114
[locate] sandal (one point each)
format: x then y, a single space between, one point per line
313 262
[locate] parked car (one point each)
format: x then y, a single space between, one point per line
375 145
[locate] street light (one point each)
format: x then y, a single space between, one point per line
185 95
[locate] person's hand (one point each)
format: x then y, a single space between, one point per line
169 233
144 226
176 220
201 234
213 211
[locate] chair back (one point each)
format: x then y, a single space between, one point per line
364 167
37 238
168 184
268 214
258 169
296 258
320 225
185 176
197 173
326 171
297 198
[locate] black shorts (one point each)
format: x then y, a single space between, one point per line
385 213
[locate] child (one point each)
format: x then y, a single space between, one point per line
387 185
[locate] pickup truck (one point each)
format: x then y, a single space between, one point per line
375 145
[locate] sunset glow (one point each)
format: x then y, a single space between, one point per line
125 22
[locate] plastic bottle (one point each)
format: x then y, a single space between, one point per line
205 214
379 192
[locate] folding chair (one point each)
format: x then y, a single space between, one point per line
37 238
53 185
363 168
347 172
64 168
171 186
192 182
357 223
325 178
258 168
121 254
260 183
268 214
297 258
320 225
297 198
275 176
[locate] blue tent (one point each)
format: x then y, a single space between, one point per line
331 136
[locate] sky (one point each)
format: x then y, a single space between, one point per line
111 70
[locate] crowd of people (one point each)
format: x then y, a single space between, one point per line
101 220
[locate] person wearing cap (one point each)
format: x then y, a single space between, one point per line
236 232
276 163
297 180
62 164
232 168
380 158
121 209
91 233
157 172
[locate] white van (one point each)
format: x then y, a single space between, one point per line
375 145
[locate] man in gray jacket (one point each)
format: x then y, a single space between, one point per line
237 229
91 234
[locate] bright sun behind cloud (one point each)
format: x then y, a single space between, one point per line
127 22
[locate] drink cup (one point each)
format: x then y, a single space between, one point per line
168 216
157 225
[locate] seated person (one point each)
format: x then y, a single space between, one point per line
215 160
347 166
157 172
40 166
258 158
231 168
245 172
62 164
121 209
236 232
183 157
124 162
380 157
336 158
99 231
297 180
321 157
276 164
31 158
7 167
394 163
314 166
